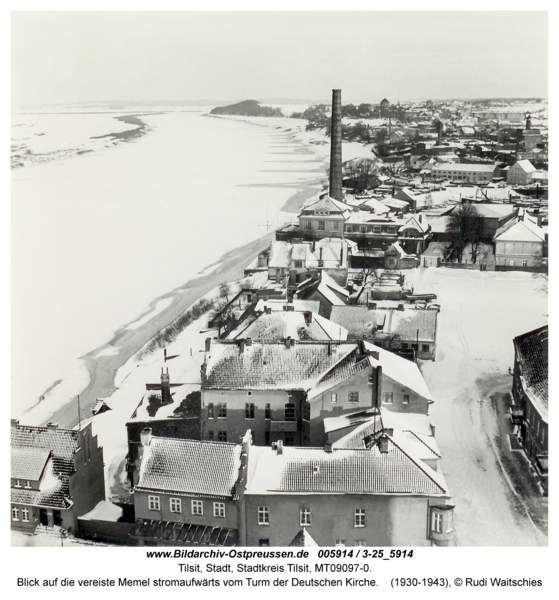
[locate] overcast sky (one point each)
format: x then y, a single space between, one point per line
72 57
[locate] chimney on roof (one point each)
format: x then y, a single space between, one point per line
383 444
313 245
421 218
268 310
389 431
288 342
14 422
290 308
539 218
328 447
400 307
242 344
336 190
329 349
378 390
52 426
279 447
341 255
145 436
308 317
320 257
249 342
375 354
165 387
208 344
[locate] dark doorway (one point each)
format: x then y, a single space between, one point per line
43 516
57 518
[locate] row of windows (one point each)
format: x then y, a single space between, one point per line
391 230
220 410
196 506
24 514
305 516
17 483
288 437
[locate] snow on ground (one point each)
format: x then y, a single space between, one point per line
161 305
209 269
480 315
108 351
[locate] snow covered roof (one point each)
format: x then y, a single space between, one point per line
525 165
465 167
280 304
104 511
326 203
28 463
278 326
272 366
520 231
532 354
190 467
303 538
314 471
414 223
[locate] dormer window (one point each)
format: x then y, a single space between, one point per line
17 483
298 264
28 485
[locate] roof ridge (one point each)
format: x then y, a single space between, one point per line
417 464
423 442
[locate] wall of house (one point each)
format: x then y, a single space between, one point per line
87 483
535 438
21 525
417 404
333 225
323 407
142 510
236 424
519 254
390 520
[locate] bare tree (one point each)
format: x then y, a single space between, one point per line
464 226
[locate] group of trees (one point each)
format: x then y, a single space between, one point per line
464 227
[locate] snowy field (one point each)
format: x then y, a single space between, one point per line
97 237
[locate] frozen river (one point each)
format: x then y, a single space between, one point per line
97 235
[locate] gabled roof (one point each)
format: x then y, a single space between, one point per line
28 463
532 354
271 366
326 203
190 467
314 471
414 223
520 231
525 165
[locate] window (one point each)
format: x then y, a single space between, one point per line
406 399
153 503
25 515
263 515
305 516
306 411
425 348
211 436
339 543
219 509
353 397
349 228
249 411
289 438
268 411
15 513
197 507
377 229
221 436
28 485
387 397
405 345
290 412
360 543
175 505
524 263
335 226
222 410
17 483
437 522
363 229
392 230
359 520
298 264
334 398
264 542
249 298
322 226
307 225
210 410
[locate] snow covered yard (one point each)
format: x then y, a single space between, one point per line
480 315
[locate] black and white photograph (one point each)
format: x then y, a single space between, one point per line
279 279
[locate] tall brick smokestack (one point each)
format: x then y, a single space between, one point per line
336 147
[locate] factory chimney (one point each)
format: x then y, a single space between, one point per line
336 147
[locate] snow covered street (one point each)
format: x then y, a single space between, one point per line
480 315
